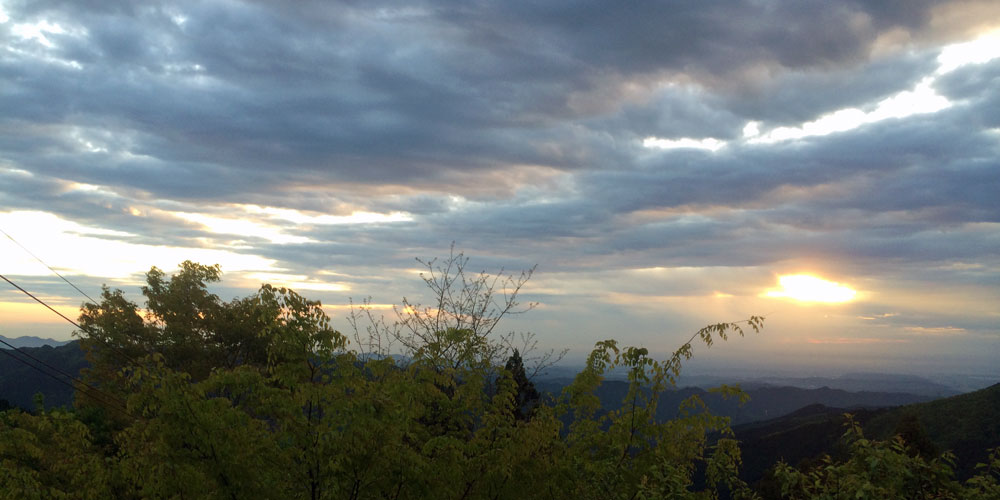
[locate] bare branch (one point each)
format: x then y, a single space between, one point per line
460 324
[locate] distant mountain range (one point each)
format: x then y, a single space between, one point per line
19 382
765 401
29 341
852 382
941 386
967 425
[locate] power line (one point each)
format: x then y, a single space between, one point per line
11 238
86 388
92 300
106 399
63 316
56 369
120 404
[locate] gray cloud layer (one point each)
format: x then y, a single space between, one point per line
513 128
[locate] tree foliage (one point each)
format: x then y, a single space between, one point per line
887 469
526 396
260 397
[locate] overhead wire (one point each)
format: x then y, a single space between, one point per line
63 316
114 349
88 389
119 405
40 301
11 238
116 404
53 368
106 399
111 401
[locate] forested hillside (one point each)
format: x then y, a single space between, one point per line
967 425
764 402
19 382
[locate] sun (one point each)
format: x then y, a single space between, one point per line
807 288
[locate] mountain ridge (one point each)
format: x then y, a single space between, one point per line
966 424
31 341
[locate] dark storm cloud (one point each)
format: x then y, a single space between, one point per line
903 188
716 38
918 154
385 106
978 85
800 96
372 92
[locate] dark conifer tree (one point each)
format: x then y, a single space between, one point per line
526 397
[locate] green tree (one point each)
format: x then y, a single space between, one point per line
50 456
627 453
887 469
914 435
195 332
526 397
260 397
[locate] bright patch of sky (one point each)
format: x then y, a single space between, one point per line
978 51
937 330
89 145
98 252
37 32
91 188
32 40
242 227
295 282
806 288
299 217
708 144
33 313
921 99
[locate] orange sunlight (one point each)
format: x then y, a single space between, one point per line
807 288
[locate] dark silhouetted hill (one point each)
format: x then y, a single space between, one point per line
19 382
967 424
766 402
30 341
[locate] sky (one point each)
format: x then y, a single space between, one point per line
832 166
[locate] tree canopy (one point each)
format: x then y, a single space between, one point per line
260 397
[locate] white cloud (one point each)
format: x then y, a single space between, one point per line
708 144
295 282
241 227
922 99
299 217
74 248
978 51
37 32
751 129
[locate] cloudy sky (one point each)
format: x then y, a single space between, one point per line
664 164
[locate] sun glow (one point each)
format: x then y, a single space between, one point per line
806 288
